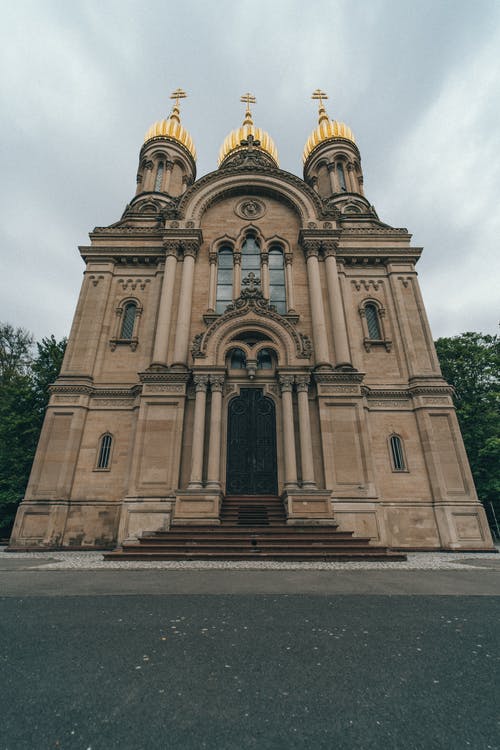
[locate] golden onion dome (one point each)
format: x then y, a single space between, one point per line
172 128
327 129
232 142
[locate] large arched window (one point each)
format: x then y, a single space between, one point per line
397 453
128 320
250 257
104 455
237 359
159 176
277 294
265 359
373 322
341 176
224 279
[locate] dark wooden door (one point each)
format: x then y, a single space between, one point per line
251 445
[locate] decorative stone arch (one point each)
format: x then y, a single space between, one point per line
277 241
250 230
219 185
210 348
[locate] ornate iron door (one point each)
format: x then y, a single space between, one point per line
251 445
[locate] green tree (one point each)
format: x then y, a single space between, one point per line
471 364
24 381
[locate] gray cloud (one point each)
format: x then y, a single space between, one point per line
417 82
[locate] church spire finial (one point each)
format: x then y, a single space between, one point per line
248 99
176 112
319 96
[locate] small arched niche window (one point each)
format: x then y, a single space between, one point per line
341 176
250 257
237 359
373 321
224 279
397 453
265 359
128 320
277 292
104 455
159 176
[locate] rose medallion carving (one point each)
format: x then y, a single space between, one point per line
250 208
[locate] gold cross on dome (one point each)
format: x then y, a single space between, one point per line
320 95
248 99
178 94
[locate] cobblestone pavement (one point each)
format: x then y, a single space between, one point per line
94 561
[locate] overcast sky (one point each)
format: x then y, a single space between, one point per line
417 81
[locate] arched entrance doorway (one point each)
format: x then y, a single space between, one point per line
251 445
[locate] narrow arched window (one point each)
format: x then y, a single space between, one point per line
397 453
265 360
237 359
250 257
224 279
277 293
104 452
373 322
159 177
129 313
341 176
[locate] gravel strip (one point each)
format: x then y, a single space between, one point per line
94 561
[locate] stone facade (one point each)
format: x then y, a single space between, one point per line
136 433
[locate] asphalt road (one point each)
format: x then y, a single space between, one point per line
169 668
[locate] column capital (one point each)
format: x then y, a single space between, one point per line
190 248
264 257
216 382
169 165
302 382
237 258
350 166
170 247
330 166
329 248
285 383
311 248
200 382
212 258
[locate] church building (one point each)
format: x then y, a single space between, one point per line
250 350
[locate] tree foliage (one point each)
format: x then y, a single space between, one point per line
25 374
471 363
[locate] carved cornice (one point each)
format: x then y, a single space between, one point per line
95 391
164 376
351 376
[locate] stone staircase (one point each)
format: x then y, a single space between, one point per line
252 528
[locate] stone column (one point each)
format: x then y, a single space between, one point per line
339 326
165 310
311 249
264 275
195 481
213 472
185 183
286 384
332 174
185 303
148 176
290 296
212 282
306 453
236 275
351 176
167 176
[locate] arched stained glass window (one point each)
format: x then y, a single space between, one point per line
224 279
129 313
237 359
341 176
397 453
104 452
373 322
159 176
265 359
277 293
250 257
